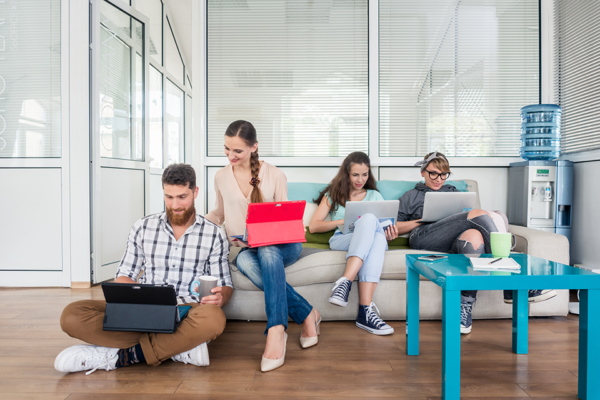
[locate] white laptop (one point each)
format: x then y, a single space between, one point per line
439 205
386 211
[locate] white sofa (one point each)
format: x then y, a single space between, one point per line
316 270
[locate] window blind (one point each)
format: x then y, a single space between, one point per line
454 74
30 84
577 56
296 69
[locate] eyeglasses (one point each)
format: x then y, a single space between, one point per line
435 175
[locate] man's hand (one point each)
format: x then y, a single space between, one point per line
221 296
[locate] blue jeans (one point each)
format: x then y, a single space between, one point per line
264 266
368 243
443 236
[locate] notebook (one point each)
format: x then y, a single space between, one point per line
505 264
273 223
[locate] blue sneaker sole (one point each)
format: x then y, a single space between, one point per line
380 332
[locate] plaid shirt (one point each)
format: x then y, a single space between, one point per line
202 250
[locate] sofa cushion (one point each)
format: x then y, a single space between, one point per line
315 266
304 191
322 239
400 241
393 190
319 238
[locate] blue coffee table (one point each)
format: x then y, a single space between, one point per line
455 274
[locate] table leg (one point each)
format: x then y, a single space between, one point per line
520 321
450 344
589 344
412 312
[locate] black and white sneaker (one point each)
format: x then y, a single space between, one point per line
466 322
535 296
341 291
370 321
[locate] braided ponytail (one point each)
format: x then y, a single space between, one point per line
256 196
246 131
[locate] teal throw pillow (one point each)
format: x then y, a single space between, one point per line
304 191
393 190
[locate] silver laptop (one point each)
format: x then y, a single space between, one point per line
441 205
386 211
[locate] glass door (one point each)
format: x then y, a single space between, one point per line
119 110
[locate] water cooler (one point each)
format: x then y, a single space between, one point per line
540 195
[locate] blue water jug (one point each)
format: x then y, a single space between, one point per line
540 132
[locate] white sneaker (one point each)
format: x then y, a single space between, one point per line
85 357
197 356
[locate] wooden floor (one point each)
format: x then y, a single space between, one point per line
347 362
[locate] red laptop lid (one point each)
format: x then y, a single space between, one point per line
277 211
275 223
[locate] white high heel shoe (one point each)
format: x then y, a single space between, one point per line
307 342
268 364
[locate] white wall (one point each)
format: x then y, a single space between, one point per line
31 238
586 214
156 201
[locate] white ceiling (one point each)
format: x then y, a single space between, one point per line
179 13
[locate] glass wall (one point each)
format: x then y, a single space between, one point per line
156 118
30 96
453 75
153 9
296 69
121 81
173 59
174 124
168 120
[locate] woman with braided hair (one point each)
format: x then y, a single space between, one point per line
248 180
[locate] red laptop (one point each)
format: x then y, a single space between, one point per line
274 223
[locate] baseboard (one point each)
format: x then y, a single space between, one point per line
81 285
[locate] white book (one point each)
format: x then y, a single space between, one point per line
484 264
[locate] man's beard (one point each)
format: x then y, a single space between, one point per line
180 219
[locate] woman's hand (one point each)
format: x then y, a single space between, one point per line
391 233
317 222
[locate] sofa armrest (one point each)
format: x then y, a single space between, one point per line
549 246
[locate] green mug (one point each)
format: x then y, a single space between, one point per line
502 243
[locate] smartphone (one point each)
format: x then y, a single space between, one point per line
432 258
